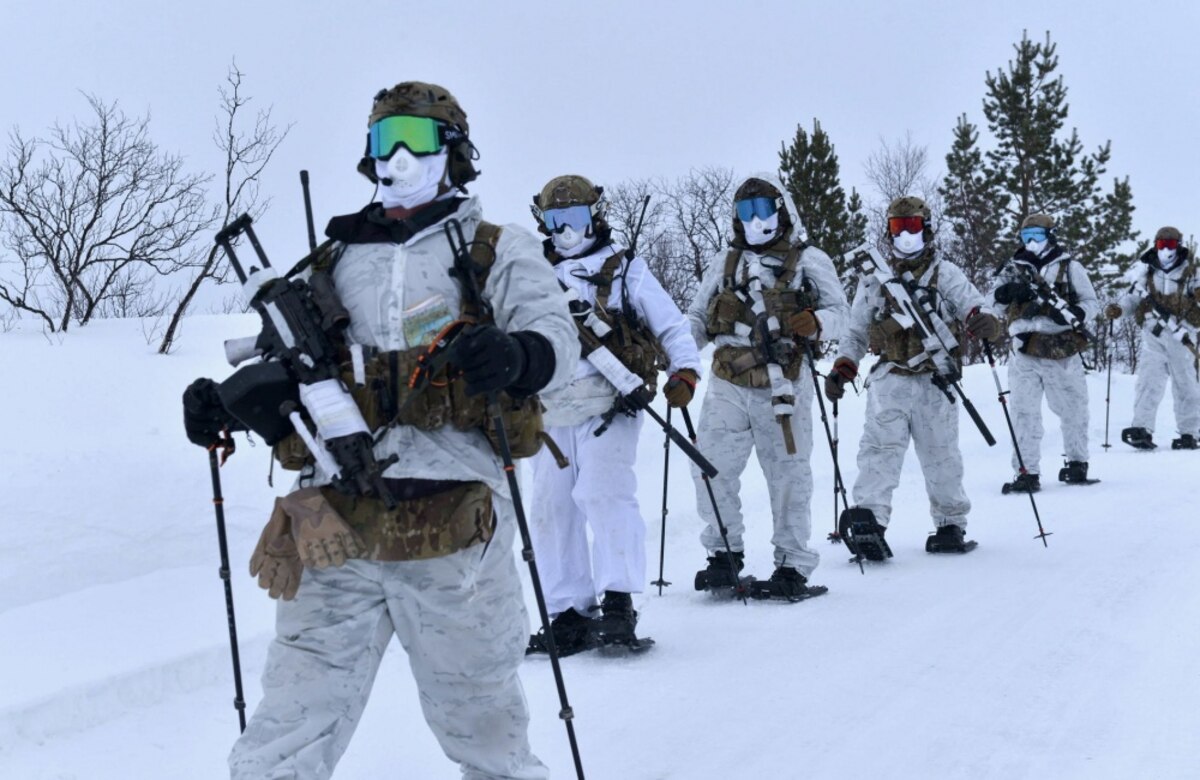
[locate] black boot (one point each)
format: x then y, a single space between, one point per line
949 538
786 584
1139 438
1075 472
863 534
572 634
718 573
618 619
1023 483
1185 442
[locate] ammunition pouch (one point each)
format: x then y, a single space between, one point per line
745 366
725 309
1055 346
635 346
435 518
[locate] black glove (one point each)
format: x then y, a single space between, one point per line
1014 292
1077 311
204 416
489 358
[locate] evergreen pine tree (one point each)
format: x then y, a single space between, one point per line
974 235
809 170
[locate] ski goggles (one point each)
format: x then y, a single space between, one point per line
1167 243
1033 234
418 134
578 218
898 225
761 207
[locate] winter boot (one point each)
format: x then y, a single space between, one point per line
1075 472
573 633
1185 442
718 573
618 619
786 584
949 538
863 535
1139 438
1023 483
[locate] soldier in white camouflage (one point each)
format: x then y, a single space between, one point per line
437 571
1161 294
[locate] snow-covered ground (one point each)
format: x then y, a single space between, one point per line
1016 661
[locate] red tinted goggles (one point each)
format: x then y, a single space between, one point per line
898 225
1167 243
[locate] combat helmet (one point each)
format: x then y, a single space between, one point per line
571 190
755 187
1167 233
417 98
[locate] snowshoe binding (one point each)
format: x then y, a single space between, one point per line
863 536
614 630
949 539
1075 473
1139 438
1024 483
786 584
1185 442
572 633
720 577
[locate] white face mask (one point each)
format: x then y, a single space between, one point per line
1037 248
570 243
909 244
1166 257
761 231
407 180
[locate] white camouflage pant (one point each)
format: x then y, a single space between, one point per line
1163 358
900 407
597 490
733 421
1065 388
462 621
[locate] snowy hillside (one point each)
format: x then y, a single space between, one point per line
1016 661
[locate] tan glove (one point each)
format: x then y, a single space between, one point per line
275 561
844 371
982 325
1113 311
681 387
804 324
323 538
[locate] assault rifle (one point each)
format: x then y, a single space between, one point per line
770 347
632 391
302 326
917 310
1167 321
1048 297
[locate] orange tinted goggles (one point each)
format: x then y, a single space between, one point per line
1167 243
898 225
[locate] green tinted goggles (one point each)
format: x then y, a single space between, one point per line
418 134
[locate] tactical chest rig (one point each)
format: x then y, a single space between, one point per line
1180 303
386 390
629 340
897 344
729 314
1053 346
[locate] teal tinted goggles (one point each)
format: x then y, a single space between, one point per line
418 134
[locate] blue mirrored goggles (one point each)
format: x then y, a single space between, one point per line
578 218
761 207
1033 234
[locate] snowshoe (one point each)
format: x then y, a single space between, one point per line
949 539
614 631
1185 442
1024 483
719 575
1075 473
572 634
786 584
863 536
1139 438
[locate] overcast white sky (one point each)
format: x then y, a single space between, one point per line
612 90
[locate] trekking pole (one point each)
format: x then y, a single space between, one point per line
565 713
739 589
226 445
987 350
662 543
1108 390
839 487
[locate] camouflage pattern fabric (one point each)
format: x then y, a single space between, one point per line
1052 346
1163 359
430 526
